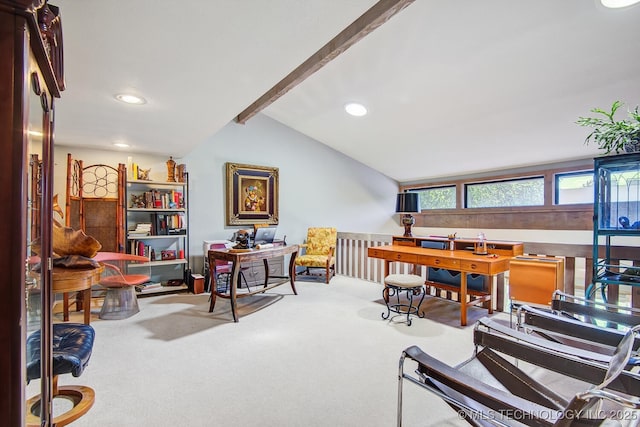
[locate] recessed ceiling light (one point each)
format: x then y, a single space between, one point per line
121 144
616 4
355 109
130 99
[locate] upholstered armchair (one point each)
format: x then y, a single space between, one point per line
319 250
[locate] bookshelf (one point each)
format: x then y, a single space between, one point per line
157 223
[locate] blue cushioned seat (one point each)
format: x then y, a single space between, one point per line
72 347
433 245
452 278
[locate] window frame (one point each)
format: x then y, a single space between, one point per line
558 176
438 187
516 179
549 216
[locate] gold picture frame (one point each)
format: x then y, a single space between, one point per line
252 194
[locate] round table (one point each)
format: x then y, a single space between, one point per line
67 280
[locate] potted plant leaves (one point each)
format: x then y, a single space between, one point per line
612 135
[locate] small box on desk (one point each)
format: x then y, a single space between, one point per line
533 279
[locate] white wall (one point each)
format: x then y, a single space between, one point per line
318 185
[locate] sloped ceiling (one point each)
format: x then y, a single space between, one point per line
452 86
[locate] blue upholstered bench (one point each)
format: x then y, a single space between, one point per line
72 347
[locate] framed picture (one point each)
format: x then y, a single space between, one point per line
252 194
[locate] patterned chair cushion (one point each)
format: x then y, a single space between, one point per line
321 244
321 240
314 260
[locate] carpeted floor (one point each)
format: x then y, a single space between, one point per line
322 358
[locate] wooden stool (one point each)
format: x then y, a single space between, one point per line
72 346
394 284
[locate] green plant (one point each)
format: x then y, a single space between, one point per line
610 134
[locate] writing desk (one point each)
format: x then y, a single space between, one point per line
458 260
252 255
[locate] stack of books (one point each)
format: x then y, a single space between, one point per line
142 229
148 287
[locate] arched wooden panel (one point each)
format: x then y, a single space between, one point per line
95 202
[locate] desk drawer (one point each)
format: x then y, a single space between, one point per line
474 267
410 258
392 256
377 253
439 262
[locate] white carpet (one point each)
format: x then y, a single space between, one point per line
322 358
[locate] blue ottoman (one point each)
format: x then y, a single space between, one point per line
72 346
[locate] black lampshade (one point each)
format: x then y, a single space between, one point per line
407 203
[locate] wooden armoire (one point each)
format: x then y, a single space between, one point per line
31 81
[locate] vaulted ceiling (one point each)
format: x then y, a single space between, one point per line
452 86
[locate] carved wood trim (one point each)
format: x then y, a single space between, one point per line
45 26
377 15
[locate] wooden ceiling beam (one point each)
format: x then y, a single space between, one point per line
377 15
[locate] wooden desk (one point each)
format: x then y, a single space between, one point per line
458 260
253 255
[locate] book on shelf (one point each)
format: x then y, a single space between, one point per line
148 287
160 225
164 224
158 199
138 247
141 229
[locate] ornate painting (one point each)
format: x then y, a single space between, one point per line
252 194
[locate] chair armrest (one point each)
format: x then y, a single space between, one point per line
629 402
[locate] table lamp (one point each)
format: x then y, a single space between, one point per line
407 203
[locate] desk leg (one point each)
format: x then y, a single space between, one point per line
499 292
292 272
491 294
65 306
235 276
463 299
385 291
87 305
214 285
266 272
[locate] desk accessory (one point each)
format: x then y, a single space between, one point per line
406 204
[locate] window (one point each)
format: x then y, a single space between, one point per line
574 187
512 192
437 197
